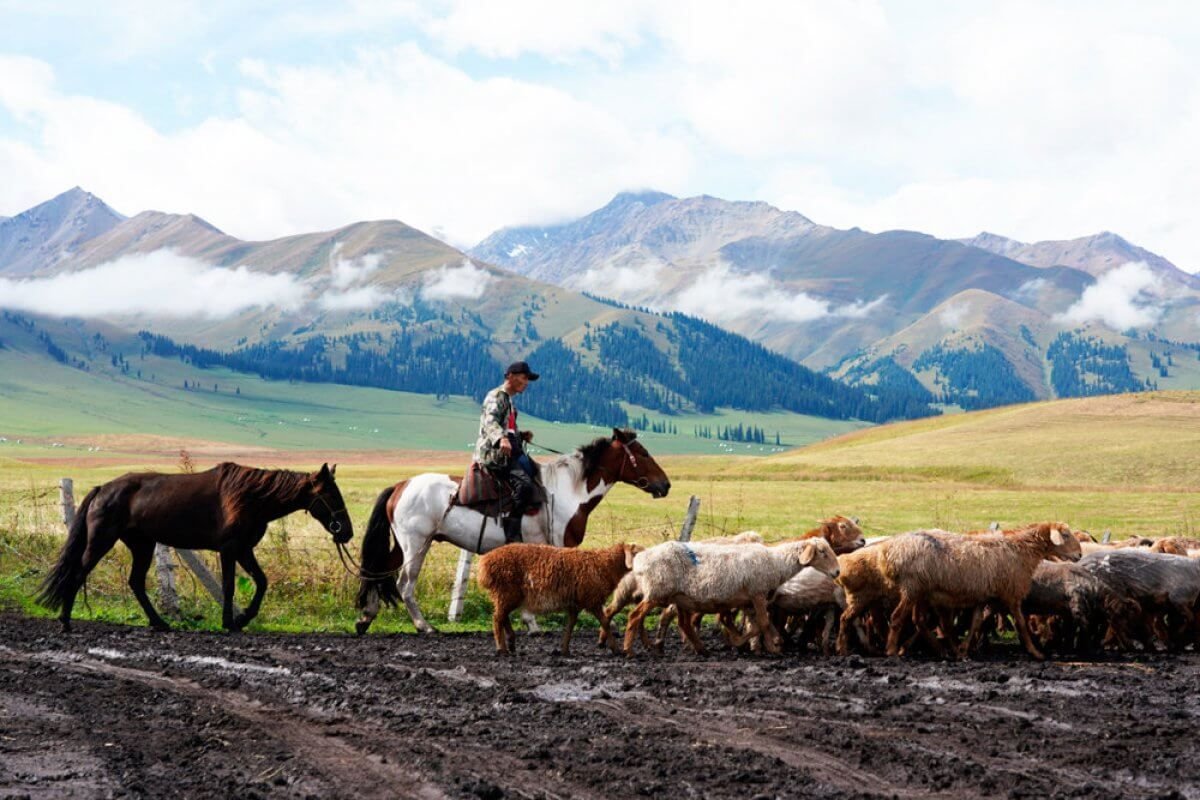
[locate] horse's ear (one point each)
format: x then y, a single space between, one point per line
624 435
325 469
333 470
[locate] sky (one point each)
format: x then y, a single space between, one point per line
1033 120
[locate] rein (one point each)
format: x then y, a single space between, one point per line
358 572
335 527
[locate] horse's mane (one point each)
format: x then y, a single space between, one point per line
279 484
590 454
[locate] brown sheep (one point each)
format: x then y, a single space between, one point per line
542 579
867 588
949 571
841 532
1176 546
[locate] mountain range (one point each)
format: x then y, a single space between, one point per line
621 304
866 307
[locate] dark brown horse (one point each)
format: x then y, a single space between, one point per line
226 509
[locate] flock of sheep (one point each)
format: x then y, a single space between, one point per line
934 590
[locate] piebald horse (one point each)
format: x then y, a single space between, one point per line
413 514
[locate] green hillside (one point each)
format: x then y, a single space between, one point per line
46 402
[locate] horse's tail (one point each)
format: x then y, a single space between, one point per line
60 582
379 552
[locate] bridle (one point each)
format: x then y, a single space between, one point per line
334 527
641 482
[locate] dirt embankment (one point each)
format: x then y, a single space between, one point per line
113 711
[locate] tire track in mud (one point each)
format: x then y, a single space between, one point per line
443 717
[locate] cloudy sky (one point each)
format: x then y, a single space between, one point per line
1035 120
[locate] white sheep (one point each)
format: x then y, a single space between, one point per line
811 591
708 578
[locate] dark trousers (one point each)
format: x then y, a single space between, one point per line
522 489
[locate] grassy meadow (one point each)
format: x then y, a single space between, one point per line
1124 464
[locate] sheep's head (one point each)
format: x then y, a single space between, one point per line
1063 544
1170 546
843 533
818 554
631 550
1084 536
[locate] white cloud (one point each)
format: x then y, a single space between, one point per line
622 282
464 282
364 297
350 272
721 295
952 316
161 284
1129 296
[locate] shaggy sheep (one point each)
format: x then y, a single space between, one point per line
706 578
626 591
947 571
1162 584
1098 547
1176 546
867 589
1074 605
813 593
542 578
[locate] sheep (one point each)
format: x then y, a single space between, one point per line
866 587
709 578
841 532
948 571
1176 546
1068 592
1100 547
542 578
813 592
626 591
1161 583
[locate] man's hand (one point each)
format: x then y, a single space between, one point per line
527 436
506 446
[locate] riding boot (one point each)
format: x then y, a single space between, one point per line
512 530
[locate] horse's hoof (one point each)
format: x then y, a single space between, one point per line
161 627
427 630
66 627
361 626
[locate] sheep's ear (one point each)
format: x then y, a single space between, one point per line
631 550
1056 537
808 554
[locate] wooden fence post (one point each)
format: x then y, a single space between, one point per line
210 584
168 600
689 522
461 578
66 496
1107 537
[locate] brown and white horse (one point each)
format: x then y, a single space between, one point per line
413 514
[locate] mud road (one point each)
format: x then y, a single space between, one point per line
112 711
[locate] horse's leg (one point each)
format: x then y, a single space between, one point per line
250 564
572 615
100 541
143 556
228 572
414 557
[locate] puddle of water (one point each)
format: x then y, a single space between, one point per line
460 675
578 692
204 661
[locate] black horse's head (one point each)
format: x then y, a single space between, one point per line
327 505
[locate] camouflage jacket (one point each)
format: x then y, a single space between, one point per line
493 422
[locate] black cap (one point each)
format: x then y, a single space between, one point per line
520 368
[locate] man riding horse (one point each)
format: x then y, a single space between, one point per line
500 447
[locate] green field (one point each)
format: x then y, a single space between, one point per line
1124 464
46 402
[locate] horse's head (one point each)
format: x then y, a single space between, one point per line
629 462
327 505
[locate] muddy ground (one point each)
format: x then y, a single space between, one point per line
124 712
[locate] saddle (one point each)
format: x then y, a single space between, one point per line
482 491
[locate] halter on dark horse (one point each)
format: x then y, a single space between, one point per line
226 508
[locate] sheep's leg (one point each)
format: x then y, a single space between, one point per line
849 615
685 627
510 634
762 620
635 624
968 643
572 615
899 616
606 635
947 646
1014 608
827 632
499 624
664 624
